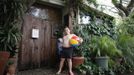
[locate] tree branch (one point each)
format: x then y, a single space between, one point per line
121 7
130 5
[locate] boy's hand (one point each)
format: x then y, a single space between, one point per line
80 40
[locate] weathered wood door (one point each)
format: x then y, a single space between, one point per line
38 52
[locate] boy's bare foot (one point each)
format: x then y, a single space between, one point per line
71 73
59 72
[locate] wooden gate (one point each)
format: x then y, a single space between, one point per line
40 51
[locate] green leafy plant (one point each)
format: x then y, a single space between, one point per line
84 34
10 21
59 31
88 66
127 25
91 69
126 44
104 46
10 36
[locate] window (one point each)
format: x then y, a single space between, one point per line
38 12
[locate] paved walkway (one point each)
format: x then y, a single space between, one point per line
43 71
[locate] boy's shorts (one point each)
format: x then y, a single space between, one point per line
67 52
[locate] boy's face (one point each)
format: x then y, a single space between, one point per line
67 30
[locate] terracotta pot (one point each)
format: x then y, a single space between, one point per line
14 60
3 61
76 61
11 69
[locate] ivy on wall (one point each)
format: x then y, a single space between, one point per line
100 29
100 23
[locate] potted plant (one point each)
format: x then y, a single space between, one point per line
78 57
10 36
9 29
11 18
104 48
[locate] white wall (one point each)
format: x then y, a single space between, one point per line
56 2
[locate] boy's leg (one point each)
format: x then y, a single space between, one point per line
61 65
70 65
